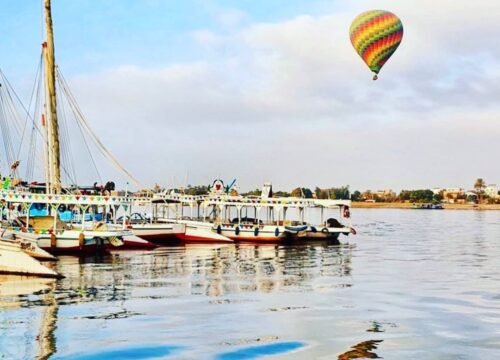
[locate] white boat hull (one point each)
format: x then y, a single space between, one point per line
157 232
14 261
189 231
68 241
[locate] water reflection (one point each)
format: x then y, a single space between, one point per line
424 282
126 285
216 271
257 351
362 350
129 353
23 292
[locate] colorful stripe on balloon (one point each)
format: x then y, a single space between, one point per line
376 35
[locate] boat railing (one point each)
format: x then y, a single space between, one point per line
228 200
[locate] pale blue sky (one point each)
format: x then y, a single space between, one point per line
93 34
272 90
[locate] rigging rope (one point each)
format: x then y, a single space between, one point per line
83 136
65 143
32 154
7 142
11 106
80 117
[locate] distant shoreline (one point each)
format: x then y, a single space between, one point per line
396 205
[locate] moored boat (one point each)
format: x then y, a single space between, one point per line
153 232
227 216
13 260
163 230
428 206
52 234
53 197
196 232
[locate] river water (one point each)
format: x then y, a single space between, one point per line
413 284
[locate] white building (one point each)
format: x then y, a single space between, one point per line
436 190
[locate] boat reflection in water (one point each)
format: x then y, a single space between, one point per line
363 350
16 294
223 270
198 301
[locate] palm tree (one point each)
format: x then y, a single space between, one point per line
479 186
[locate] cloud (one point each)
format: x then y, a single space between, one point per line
206 38
290 101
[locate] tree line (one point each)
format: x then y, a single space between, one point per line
344 193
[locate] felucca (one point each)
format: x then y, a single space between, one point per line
34 212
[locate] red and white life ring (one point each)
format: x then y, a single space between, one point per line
346 214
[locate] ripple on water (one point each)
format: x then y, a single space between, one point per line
257 351
128 353
435 275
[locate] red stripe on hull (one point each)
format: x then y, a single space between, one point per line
199 239
134 245
162 240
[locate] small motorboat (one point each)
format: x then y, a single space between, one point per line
428 206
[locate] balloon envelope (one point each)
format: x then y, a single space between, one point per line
375 35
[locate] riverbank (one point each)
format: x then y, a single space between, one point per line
383 205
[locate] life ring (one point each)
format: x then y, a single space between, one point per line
256 231
81 240
236 230
325 230
219 229
62 208
346 213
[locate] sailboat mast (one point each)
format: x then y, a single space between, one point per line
54 153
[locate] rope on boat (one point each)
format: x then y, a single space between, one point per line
87 147
79 115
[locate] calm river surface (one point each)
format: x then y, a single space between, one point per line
413 284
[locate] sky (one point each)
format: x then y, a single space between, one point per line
183 92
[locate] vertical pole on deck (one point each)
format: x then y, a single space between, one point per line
55 219
83 219
28 217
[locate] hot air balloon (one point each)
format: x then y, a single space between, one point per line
376 35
